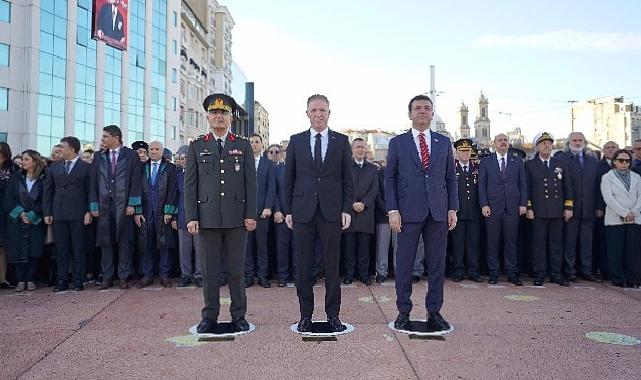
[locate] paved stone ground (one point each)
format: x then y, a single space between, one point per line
498 334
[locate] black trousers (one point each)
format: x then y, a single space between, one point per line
70 245
329 235
466 235
506 225
284 245
578 232
26 272
547 233
258 239
223 245
356 250
624 255
124 247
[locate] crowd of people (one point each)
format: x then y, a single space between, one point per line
84 217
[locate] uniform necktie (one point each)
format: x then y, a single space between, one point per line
219 142
318 159
425 150
465 169
113 162
67 167
154 172
545 162
503 166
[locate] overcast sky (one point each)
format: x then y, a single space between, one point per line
371 57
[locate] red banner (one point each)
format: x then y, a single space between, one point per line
110 21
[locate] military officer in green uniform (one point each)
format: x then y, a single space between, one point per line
220 206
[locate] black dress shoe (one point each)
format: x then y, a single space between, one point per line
184 281
305 324
560 281
367 282
402 321
165 282
476 279
265 283
587 277
78 286
106 283
436 322
515 281
416 279
221 282
380 278
572 279
493 280
347 281
538 282
618 284
335 324
457 278
206 326
145 281
241 324
5 285
198 281
281 284
249 282
61 286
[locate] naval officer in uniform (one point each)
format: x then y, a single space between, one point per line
220 206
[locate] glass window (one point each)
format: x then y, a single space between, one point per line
175 47
46 42
4 98
4 55
60 27
46 22
5 11
174 75
175 19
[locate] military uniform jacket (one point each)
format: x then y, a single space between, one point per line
584 184
550 188
159 199
365 182
220 190
468 194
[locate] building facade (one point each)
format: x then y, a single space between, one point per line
261 122
482 132
607 119
464 130
377 141
60 82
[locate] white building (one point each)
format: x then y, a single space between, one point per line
607 119
58 82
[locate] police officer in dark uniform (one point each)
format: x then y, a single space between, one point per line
220 206
466 232
550 202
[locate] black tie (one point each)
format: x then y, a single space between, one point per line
545 162
67 167
465 169
318 160
220 147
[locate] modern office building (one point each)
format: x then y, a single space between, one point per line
58 81
607 119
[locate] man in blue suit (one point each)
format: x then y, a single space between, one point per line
265 193
422 197
503 198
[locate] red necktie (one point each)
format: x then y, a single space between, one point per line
425 151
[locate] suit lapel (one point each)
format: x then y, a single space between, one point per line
436 148
331 147
411 147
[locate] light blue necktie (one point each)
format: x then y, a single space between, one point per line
154 172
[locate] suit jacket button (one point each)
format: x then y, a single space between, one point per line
318 179
222 161
198 201
315 194
222 194
222 171
222 182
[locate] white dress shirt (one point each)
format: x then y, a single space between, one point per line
428 140
324 141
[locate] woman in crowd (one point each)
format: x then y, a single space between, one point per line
621 189
23 202
6 171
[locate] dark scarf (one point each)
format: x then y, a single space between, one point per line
624 177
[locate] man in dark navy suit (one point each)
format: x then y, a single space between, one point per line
583 173
110 22
422 198
503 198
283 234
319 198
66 205
265 192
